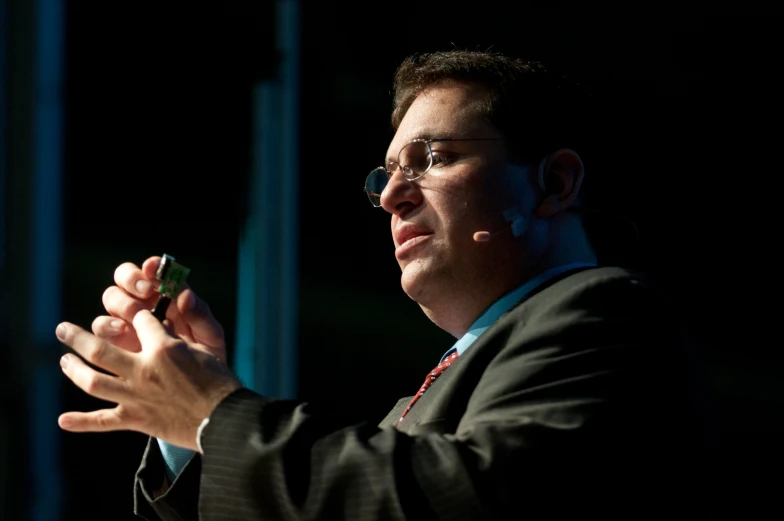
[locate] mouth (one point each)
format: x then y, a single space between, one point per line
409 241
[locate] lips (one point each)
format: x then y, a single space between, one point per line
408 232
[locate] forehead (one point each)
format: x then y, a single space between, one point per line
446 110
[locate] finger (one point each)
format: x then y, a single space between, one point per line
96 350
94 383
150 268
196 312
102 420
150 331
122 305
130 278
108 327
119 332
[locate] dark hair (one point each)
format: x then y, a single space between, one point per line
537 111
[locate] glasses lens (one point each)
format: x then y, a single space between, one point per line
415 159
375 184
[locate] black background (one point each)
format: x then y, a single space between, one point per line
158 123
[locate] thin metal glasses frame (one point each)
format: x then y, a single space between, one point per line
408 173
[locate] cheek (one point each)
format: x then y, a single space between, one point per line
467 201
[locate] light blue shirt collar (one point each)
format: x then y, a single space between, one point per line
502 305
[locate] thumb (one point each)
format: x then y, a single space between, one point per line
149 329
197 314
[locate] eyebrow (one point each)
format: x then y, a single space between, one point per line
427 135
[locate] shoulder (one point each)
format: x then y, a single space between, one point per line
592 321
594 286
624 298
604 277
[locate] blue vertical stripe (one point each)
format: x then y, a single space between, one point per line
245 332
46 257
47 172
288 42
270 239
269 213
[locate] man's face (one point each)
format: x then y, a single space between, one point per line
466 190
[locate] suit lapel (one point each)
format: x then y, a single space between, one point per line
440 390
390 420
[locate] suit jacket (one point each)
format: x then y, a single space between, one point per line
576 402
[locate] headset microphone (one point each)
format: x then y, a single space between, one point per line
513 215
516 222
484 236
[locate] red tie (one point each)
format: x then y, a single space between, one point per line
431 377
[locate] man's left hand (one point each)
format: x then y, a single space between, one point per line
165 390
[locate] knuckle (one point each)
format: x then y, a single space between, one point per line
118 303
122 413
124 416
96 351
104 421
130 307
92 384
149 375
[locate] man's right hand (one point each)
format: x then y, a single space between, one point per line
188 316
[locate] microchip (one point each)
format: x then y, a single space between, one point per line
172 275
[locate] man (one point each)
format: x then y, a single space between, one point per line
565 394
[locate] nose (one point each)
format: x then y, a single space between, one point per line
400 193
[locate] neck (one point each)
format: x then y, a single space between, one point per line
569 244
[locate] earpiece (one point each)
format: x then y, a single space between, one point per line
517 225
516 220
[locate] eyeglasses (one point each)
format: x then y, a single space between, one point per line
414 160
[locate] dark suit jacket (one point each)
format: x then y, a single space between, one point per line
576 402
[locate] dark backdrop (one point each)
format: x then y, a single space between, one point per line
157 156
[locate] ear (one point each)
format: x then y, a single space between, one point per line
560 177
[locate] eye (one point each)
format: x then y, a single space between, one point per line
441 159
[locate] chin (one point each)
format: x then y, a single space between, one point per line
419 281
411 287
413 280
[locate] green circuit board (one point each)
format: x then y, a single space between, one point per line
172 276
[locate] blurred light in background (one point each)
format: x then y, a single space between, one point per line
265 356
32 146
44 303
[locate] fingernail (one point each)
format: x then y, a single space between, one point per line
116 324
60 332
142 286
64 361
